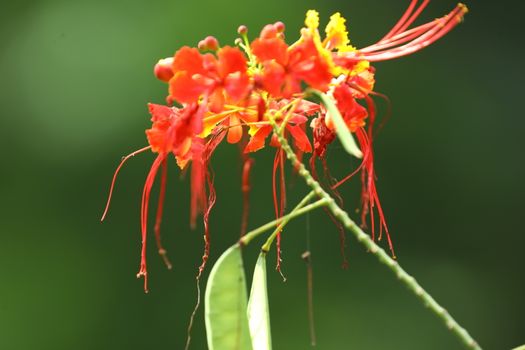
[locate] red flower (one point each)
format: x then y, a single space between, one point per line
197 75
221 92
295 125
286 67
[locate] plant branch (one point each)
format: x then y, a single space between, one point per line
266 247
246 239
373 248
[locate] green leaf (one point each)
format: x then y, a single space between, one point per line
345 136
520 348
225 304
258 311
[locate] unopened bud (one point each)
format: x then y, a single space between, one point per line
210 43
279 26
163 70
242 30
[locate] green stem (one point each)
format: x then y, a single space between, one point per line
246 239
373 248
266 247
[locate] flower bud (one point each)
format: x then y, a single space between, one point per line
242 30
163 70
210 43
279 26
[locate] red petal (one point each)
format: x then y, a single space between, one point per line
308 65
273 78
231 60
306 107
235 130
300 138
237 85
156 139
159 112
257 141
270 49
189 60
217 101
353 113
184 89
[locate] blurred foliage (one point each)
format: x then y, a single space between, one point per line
76 77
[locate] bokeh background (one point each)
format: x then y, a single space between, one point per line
75 80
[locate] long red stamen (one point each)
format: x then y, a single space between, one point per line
282 203
160 208
279 201
212 197
371 109
337 223
388 112
143 272
414 16
276 202
400 38
124 159
348 177
372 117
411 40
370 197
441 27
246 187
198 179
401 21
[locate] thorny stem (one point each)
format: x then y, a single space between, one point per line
246 239
409 281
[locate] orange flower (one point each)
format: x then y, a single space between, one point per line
284 68
197 75
294 126
224 90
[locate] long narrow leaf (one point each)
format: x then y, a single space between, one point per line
225 304
258 311
344 135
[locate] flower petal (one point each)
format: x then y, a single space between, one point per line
189 60
237 86
273 78
257 140
270 49
300 138
184 89
235 130
231 60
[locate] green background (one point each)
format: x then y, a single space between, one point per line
75 80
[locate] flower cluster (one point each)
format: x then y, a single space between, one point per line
239 93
